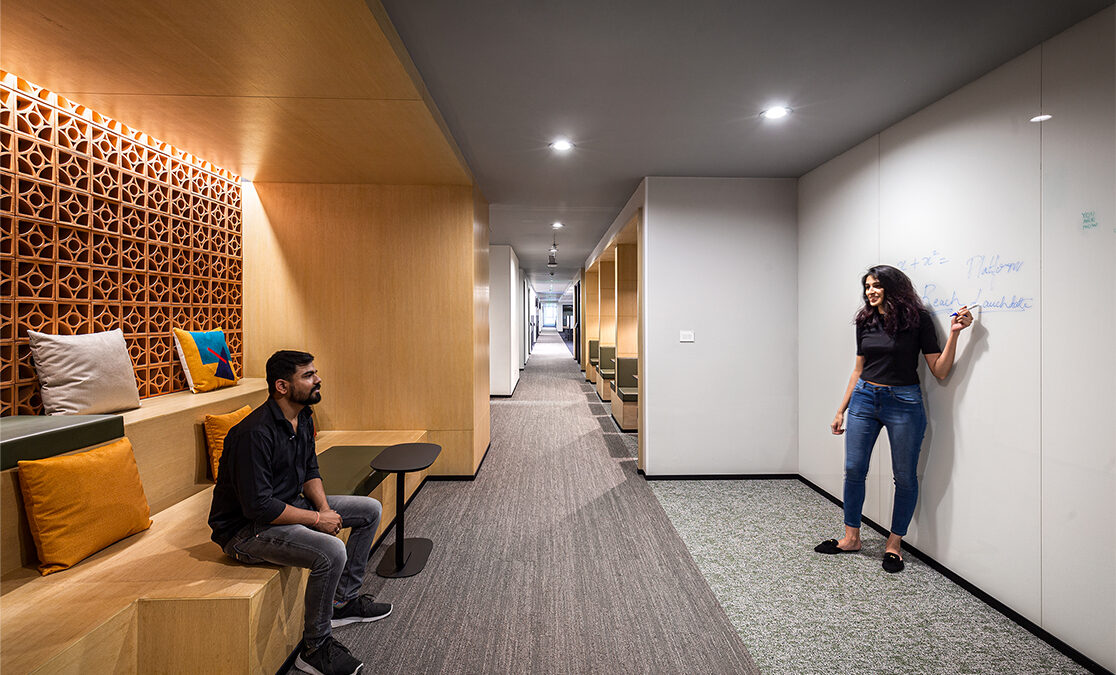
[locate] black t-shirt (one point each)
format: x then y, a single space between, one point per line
262 469
894 360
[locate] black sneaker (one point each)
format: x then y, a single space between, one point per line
330 658
360 608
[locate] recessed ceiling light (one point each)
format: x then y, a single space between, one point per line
775 113
556 225
1041 118
561 145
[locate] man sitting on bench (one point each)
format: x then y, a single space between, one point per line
269 506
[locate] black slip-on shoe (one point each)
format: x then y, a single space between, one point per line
892 563
830 547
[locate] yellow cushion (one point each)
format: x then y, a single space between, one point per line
216 428
205 359
79 504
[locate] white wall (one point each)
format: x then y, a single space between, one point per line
505 322
1018 473
720 260
520 318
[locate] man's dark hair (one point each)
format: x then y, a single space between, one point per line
283 364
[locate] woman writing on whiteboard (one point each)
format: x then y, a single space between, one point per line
892 328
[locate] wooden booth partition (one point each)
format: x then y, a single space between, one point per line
387 286
607 298
627 317
590 291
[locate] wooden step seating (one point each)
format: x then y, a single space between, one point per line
625 393
166 599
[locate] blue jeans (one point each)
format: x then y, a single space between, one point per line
900 410
336 568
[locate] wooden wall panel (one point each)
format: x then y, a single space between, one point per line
380 283
360 109
105 227
606 302
591 303
627 319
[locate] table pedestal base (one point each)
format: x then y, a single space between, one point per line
415 553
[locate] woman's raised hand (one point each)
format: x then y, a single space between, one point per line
961 320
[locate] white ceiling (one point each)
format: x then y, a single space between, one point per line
667 88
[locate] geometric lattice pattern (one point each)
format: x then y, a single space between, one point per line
105 227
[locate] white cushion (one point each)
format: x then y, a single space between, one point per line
84 374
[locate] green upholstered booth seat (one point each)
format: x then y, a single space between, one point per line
607 365
625 384
31 437
345 469
594 351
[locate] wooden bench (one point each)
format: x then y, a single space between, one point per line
166 599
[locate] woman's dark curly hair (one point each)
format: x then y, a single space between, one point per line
901 305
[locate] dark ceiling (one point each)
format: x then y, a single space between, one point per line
667 88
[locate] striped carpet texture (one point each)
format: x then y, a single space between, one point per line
558 558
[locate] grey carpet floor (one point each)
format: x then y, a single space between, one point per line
804 612
556 559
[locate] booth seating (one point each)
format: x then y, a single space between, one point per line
28 437
594 359
167 599
606 371
625 393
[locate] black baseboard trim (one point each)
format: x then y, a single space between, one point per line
723 476
517 381
466 478
1031 627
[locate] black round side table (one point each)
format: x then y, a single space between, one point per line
406 557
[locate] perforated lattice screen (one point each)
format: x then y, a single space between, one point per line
105 227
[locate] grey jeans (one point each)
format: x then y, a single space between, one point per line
336 569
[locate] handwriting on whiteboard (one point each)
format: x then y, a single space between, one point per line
988 280
1088 220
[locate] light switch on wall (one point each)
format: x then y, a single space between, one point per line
686 336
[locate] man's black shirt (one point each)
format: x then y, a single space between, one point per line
262 469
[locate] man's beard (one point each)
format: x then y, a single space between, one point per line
315 396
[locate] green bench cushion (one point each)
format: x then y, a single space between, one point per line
606 374
628 394
30 437
345 469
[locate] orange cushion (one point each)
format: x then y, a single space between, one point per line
79 504
216 428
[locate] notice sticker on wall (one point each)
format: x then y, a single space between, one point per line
686 336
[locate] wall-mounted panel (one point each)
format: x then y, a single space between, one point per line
1078 325
959 213
838 238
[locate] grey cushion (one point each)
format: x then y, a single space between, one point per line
84 374
345 470
628 394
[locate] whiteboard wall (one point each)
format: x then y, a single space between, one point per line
979 205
